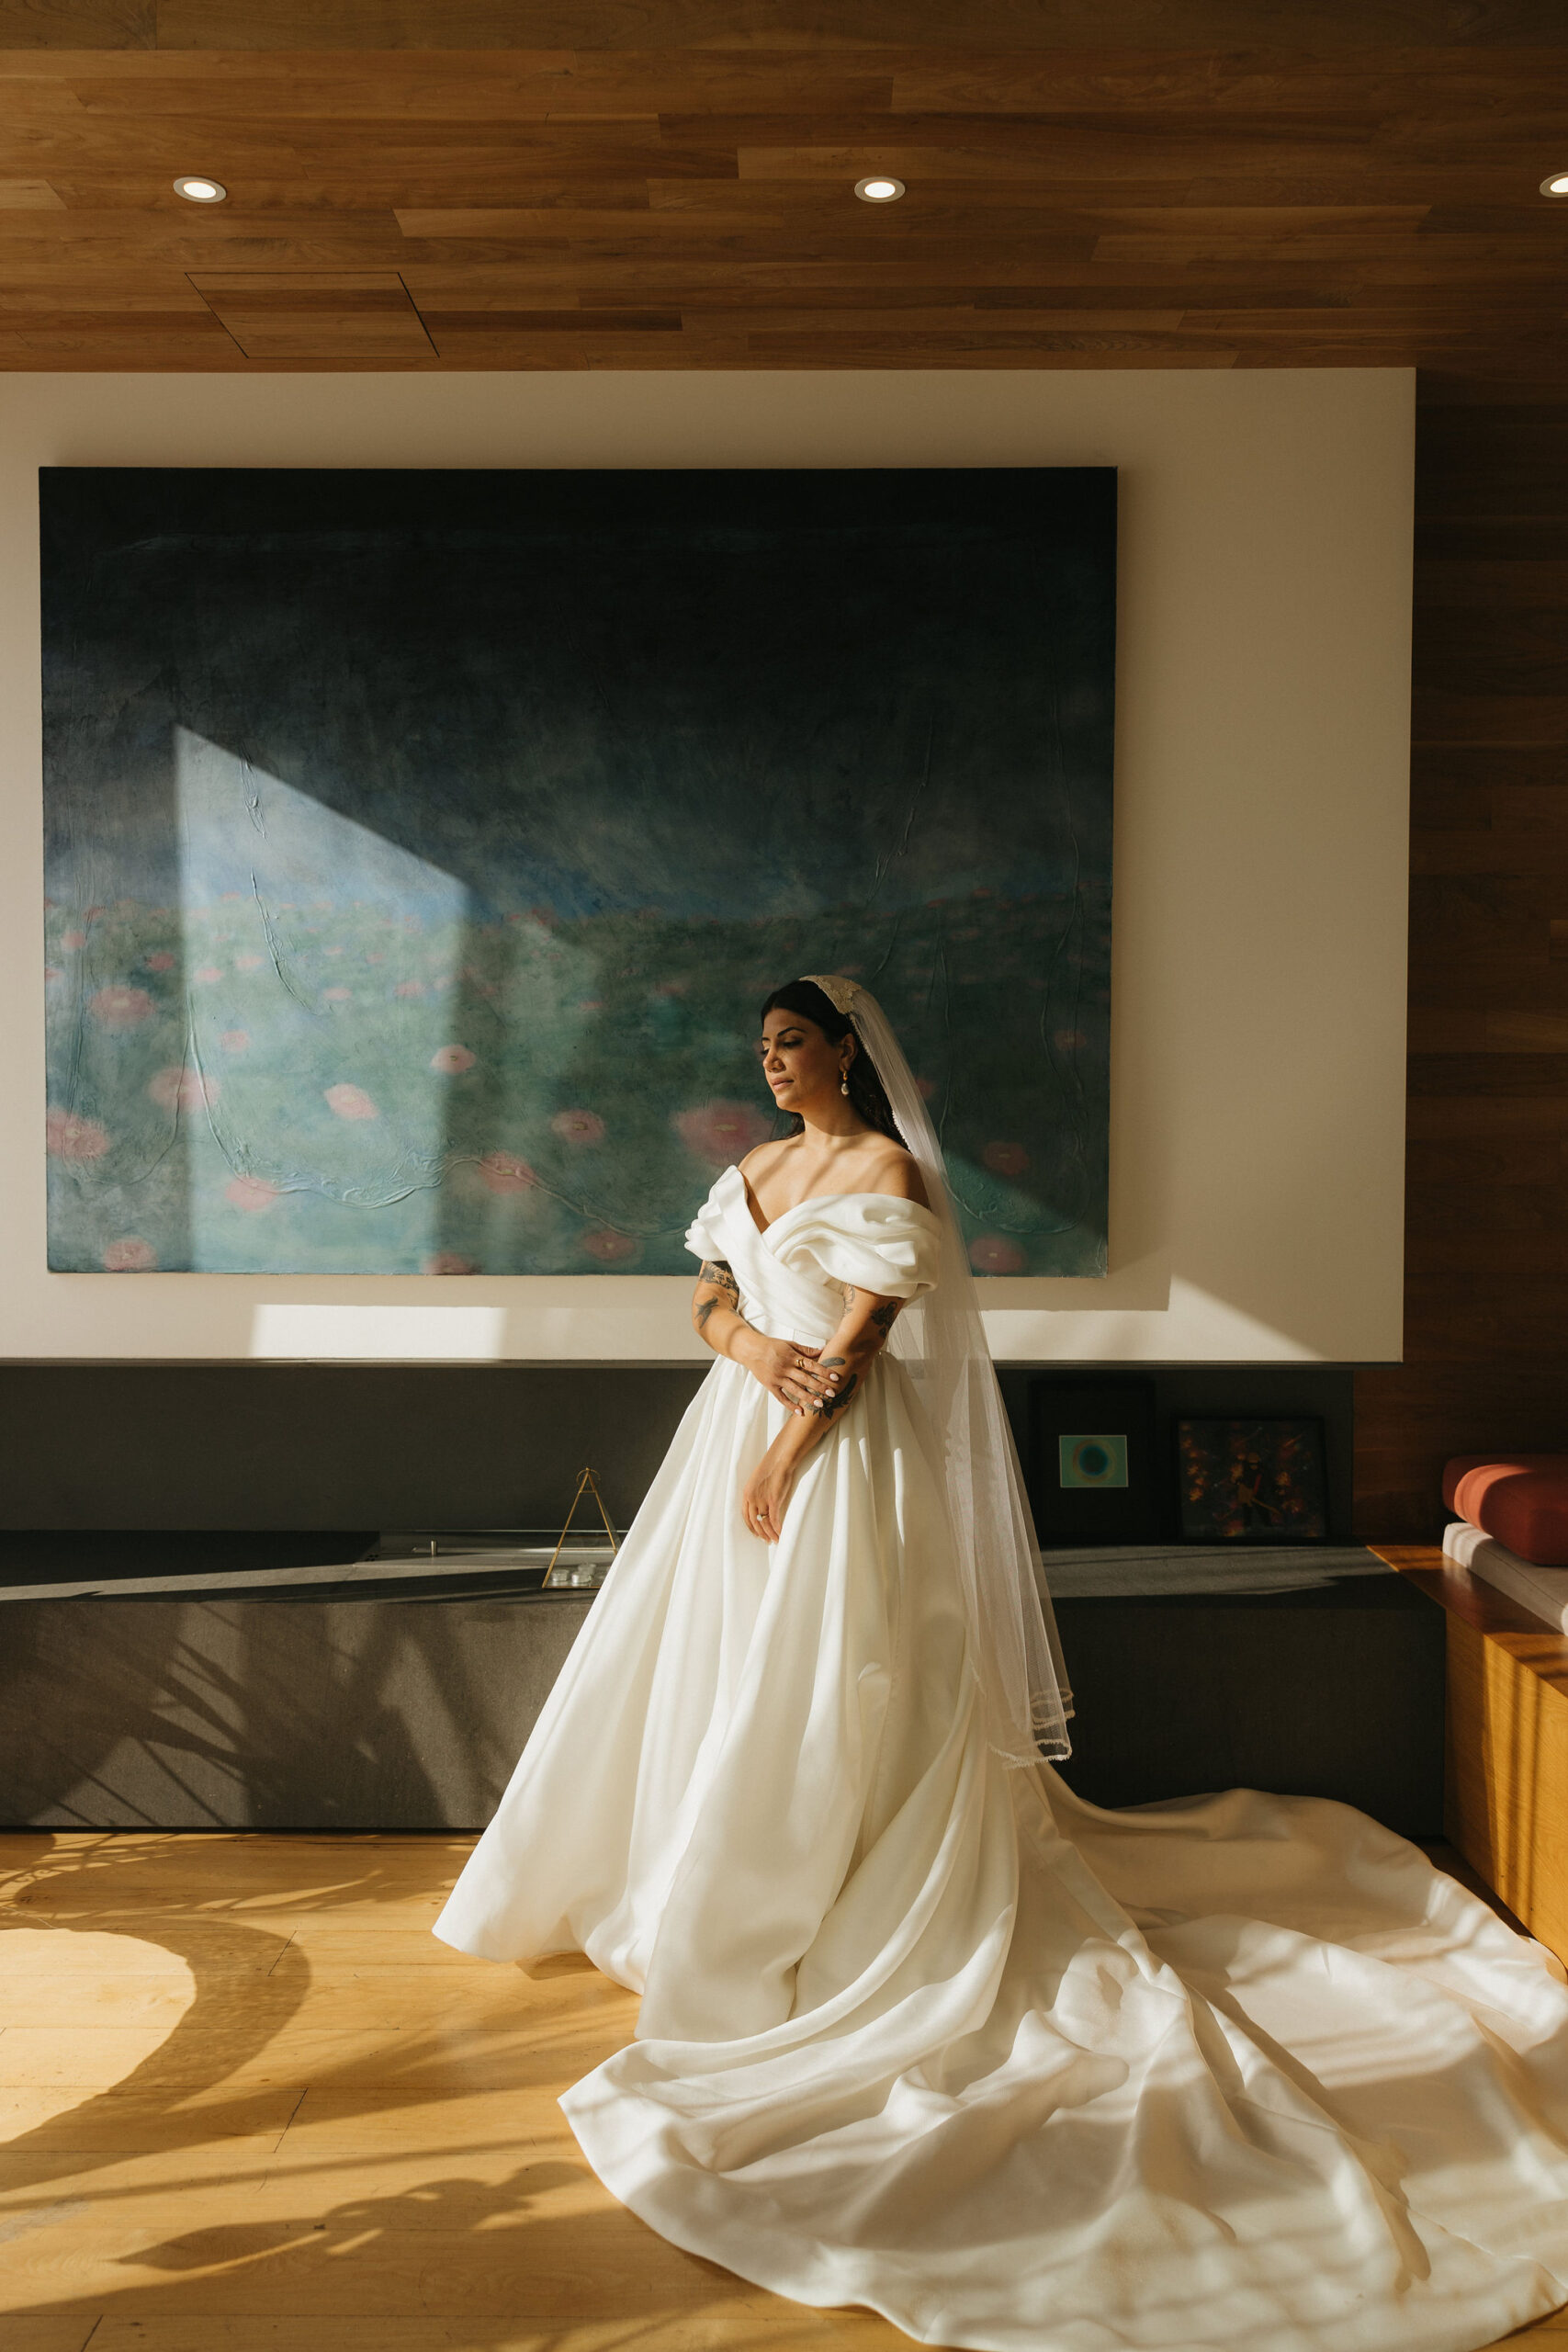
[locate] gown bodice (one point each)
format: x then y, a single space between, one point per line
792 1276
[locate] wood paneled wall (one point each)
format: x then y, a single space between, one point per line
1486 1267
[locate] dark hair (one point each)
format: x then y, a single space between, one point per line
867 1093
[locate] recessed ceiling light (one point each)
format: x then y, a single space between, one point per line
878 189
1556 186
197 189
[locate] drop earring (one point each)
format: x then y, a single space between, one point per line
844 1082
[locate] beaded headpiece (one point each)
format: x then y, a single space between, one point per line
840 993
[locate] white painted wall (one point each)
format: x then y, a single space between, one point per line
1258 1088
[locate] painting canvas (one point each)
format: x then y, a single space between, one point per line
1253 1482
421 846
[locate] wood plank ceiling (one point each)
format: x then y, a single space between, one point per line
454 183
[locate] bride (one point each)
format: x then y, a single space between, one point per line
920 2030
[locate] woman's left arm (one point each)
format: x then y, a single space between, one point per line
862 1332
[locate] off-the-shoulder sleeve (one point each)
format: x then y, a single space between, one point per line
867 1238
705 1235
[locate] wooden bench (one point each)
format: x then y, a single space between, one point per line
1505 1778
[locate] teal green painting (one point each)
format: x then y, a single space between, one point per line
421 846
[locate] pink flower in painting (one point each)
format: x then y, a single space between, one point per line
409 988
350 1103
721 1132
68 1137
502 1172
375 960
252 1193
163 961
338 996
1069 1041
120 1008
227 895
208 973
993 1253
249 963
235 1041
332 951
129 1255
452 1060
578 1127
448 1261
1005 1159
52 972
90 912
179 1089
609 1249
74 939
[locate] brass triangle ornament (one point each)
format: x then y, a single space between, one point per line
587 1484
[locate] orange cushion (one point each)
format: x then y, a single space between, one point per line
1520 1499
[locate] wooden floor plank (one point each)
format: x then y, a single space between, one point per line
64 2335
741 2327
69 2121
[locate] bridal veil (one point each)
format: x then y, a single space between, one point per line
940 1340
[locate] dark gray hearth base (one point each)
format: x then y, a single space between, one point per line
347 1714
1329 1693
270 1714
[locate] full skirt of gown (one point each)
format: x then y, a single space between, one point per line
928 2034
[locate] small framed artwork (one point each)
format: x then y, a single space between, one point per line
1091 1462
1252 1482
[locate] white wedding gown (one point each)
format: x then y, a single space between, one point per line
925 2033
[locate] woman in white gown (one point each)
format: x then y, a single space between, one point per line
920 2030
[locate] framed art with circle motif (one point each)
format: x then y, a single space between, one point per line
1093 1466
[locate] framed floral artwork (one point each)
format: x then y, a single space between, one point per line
421 846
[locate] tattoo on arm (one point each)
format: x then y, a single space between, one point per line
718 1274
882 1319
725 1290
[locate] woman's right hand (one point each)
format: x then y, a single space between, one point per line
787 1370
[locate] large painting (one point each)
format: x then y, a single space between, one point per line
421 847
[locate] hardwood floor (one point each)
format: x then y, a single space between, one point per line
248 2102
250 2106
